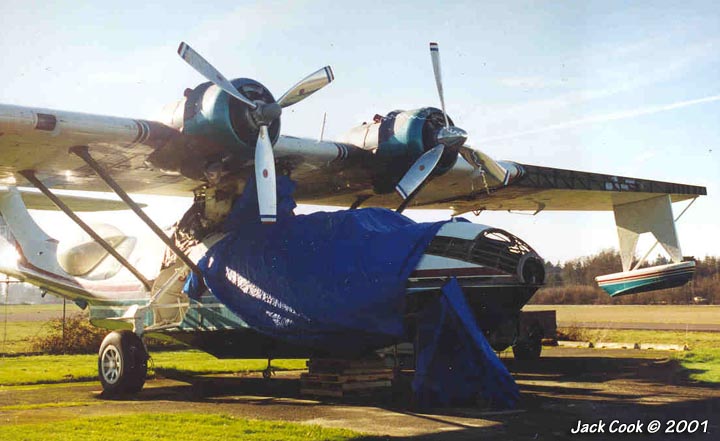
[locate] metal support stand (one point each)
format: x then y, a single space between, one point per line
84 154
410 197
64 345
360 199
30 176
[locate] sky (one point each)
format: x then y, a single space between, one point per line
608 87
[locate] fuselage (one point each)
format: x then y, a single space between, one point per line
497 271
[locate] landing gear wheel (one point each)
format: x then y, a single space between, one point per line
122 363
530 347
269 371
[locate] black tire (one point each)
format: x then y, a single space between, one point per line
122 363
527 350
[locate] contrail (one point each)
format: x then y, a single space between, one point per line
609 117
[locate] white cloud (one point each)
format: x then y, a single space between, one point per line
625 114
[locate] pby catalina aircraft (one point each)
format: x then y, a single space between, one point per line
224 134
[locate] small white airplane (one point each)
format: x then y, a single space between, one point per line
221 133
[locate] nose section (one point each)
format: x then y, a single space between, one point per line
451 136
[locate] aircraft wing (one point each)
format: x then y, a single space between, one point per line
34 200
537 188
39 140
150 157
470 187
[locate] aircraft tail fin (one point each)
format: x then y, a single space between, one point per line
28 253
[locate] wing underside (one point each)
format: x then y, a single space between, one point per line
544 188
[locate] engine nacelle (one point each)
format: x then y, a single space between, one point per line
207 112
398 140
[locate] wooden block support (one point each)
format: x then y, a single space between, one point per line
343 378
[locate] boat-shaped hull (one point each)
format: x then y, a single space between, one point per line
498 274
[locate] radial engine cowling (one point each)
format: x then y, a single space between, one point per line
399 139
207 112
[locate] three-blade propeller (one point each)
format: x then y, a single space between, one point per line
264 114
447 137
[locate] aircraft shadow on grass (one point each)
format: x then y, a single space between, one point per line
556 392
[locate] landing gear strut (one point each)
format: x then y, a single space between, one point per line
269 370
529 344
122 363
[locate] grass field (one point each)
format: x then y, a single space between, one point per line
172 427
695 340
702 364
61 368
695 314
14 336
702 361
20 322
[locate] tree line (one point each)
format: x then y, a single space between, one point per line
573 282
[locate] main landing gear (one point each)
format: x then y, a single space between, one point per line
269 370
123 358
122 363
528 345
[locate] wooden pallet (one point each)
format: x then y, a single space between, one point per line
334 377
342 366
340 390
348 378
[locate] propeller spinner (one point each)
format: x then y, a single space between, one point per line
263 114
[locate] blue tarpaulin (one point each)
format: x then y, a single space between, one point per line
333 281
455 363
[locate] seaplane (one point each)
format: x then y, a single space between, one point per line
222 285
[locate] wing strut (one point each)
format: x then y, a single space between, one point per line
84 154
30 176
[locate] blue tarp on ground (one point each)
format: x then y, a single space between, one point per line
455 363
337 282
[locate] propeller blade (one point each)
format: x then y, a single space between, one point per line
419 172
306 87
479 159
435 56
265 177
197 62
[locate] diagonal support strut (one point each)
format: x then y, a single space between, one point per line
30 176
84 154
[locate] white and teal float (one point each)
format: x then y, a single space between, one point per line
647 279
